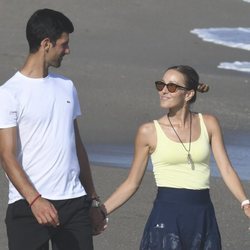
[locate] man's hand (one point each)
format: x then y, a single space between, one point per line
98 220
45 212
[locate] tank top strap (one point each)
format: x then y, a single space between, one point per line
203 126
158 128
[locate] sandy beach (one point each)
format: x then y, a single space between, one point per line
118 50
127 223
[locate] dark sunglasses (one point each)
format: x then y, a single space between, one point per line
171 87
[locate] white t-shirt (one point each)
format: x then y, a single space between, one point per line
43 110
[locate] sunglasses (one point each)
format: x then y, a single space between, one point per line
171 87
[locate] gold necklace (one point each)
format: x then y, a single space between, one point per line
189 157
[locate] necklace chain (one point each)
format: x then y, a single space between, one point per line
190 136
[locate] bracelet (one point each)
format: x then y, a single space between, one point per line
244 203
37 197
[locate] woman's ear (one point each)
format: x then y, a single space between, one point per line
189 95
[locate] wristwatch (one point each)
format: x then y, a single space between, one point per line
95 203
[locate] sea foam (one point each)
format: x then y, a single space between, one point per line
231 37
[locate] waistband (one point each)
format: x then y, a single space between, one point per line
184 196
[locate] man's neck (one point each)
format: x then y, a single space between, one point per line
34 67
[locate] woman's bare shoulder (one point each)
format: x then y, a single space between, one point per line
212 123
147 128
209 118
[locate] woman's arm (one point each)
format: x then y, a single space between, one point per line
226 169
141 153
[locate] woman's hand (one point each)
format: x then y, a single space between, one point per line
246 209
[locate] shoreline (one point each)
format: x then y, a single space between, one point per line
121 155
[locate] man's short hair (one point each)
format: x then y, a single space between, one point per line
46 23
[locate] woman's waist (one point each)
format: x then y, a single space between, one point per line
183 195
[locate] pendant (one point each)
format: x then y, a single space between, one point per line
190 161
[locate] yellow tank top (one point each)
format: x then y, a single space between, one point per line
170 165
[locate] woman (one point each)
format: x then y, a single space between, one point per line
179 144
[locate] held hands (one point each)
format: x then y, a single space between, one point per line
98 217
44 212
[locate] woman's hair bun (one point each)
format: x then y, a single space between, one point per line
202 87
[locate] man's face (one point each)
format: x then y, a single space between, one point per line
58 51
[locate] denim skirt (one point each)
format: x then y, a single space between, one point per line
181 219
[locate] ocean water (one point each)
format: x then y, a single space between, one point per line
237 145
237 37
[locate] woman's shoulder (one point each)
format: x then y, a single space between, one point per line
146 134
147 128
211 121
209 118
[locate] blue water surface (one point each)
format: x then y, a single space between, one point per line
237 145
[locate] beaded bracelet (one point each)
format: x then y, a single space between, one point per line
37 197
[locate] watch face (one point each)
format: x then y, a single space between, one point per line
95 203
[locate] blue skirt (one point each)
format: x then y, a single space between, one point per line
181 219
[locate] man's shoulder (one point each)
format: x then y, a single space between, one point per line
59 77
7 95
9 85
12 79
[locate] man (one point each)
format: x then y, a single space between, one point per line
50 182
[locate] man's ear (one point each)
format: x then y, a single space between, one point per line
46 44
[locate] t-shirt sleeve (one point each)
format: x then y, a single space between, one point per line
77 108
8 110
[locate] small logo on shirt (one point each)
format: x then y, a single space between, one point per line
68 101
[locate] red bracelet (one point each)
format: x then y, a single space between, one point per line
38 196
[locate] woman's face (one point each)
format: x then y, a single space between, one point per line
175 99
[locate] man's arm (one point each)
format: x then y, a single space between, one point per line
43 210
12 168
97 214
85 171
